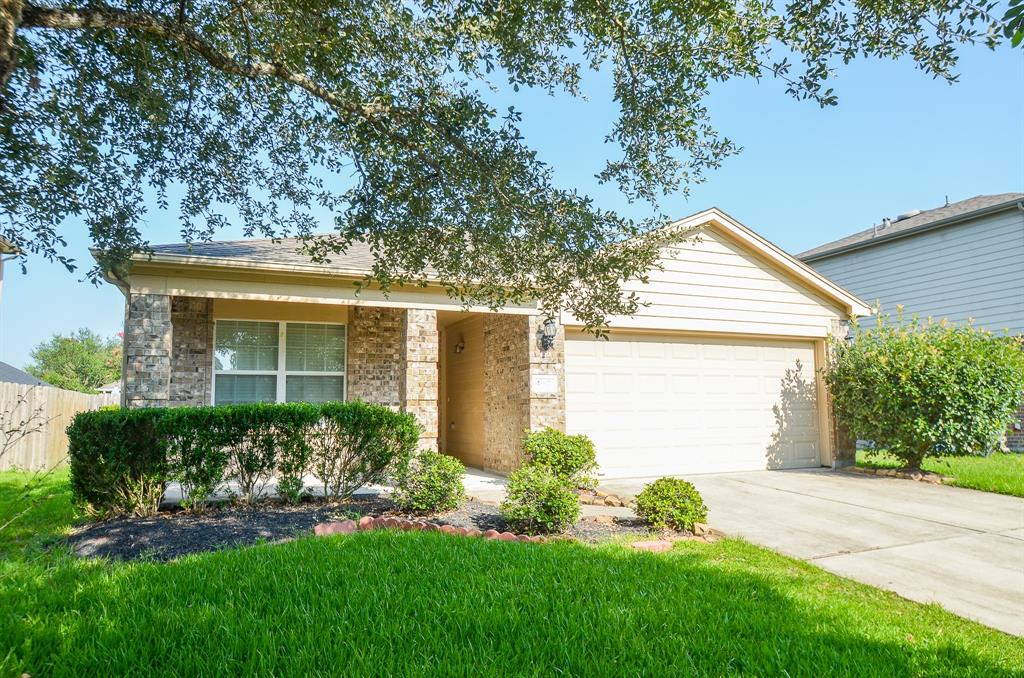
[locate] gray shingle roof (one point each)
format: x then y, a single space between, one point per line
953 213
358 257
12 375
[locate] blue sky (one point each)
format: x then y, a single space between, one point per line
897 141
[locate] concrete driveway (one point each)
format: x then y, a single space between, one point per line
962 549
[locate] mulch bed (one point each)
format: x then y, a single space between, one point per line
174 534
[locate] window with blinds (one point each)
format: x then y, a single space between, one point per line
258 361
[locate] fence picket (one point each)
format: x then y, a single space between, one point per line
48 446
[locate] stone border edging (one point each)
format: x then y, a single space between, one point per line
381 523
602 498
923 477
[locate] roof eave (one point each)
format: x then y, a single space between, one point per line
931 225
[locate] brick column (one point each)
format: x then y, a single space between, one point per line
191 350
418 371
844 443
146 381
375 355
524 388
1015 436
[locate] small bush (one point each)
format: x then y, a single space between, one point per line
571 457
538 500
118 462
355 444
430 483
671 502
920 389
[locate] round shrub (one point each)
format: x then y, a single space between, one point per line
570 457
918 389
671 502
537 500
430 483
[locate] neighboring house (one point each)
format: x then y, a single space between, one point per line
718 372
113 389
961 261
12 375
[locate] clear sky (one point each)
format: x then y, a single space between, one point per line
897 141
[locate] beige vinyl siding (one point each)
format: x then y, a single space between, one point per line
970 270
462 409
711 284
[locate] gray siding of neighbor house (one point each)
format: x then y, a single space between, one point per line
970 270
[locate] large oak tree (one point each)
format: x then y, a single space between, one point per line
271 111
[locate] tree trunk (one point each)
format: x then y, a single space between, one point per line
10 19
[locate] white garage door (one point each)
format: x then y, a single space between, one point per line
660 405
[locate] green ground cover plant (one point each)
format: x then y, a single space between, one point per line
1000 472
407 603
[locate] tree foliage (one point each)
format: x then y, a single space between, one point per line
920 388
83 361
266 112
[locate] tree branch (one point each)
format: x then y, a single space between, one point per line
106 18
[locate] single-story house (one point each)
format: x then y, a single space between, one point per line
960 261
718 371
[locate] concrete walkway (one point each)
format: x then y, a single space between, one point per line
962 549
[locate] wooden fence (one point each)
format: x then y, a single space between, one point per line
33 423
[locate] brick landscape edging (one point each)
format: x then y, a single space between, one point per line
924 477
381 523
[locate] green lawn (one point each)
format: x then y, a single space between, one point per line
998 472
386 603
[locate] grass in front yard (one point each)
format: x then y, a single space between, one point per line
999 472
384 603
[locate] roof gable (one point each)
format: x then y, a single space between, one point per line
774 255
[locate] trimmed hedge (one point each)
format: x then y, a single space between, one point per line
122 459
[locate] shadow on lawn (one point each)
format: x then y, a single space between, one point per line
412 603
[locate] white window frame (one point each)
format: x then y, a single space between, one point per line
281 373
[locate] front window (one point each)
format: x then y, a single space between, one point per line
258 361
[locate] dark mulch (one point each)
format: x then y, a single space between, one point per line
171 535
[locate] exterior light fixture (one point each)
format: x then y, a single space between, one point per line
546 335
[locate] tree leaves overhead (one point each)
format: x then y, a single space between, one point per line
266 113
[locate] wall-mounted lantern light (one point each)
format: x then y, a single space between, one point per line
460 347
546 335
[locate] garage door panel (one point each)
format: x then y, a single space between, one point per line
659 405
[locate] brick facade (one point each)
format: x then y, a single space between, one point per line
374 353
168 350
844 444
516 380
392 361
1015 436
147 351
418 375
191 351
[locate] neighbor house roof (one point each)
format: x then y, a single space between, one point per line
12 375
916 221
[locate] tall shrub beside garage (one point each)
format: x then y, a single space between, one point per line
921 388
